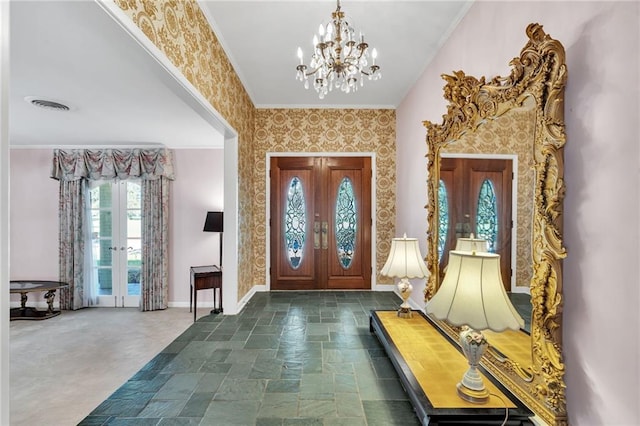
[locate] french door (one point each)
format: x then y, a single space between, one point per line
320 223
475 198
116 212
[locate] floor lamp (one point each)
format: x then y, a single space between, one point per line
213 223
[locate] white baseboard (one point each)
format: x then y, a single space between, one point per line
384 287
247 297
186 304
521 289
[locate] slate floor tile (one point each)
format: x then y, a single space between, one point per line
197 405
289 358
231 413
162 408
278 405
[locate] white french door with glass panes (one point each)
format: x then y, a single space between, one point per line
116 211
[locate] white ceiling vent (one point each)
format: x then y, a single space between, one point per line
47 103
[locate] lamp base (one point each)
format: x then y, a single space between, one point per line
473 396
405 288
471 387
404 312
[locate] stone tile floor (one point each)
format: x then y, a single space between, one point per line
289 358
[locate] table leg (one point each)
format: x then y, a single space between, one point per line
195 304
23 300
215 305
49 296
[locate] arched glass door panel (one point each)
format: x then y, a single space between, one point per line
295 223
487 215
345 223
443 218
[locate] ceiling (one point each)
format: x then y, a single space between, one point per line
261 38
74 53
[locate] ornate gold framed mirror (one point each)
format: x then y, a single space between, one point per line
521 115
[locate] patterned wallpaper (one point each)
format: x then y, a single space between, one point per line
181 31
328 130
512 133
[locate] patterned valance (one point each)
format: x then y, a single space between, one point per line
98 164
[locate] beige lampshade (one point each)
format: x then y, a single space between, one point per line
471 244
405 260
472 294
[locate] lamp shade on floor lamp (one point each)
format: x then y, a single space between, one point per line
214 223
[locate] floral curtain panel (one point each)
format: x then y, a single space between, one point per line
155 247
72 237
73 168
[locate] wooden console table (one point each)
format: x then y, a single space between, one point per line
23 287
430 365
203 278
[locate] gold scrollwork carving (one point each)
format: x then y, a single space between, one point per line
539 73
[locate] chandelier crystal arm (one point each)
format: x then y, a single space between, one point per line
338 61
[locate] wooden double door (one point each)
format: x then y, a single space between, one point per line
320 223
478 199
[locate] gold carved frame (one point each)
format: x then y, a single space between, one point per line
539 73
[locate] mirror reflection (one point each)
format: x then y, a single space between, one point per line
486 189
495 170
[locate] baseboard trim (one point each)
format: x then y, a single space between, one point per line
260 288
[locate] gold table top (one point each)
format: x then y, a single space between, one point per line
436 364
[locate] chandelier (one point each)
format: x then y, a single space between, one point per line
339 60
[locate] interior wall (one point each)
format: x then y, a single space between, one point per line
181 31
602 159
197 189
33 219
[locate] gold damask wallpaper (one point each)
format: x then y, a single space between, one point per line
181 31
328 130
512 133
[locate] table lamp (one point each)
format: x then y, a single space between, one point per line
472 295
471 244
404 262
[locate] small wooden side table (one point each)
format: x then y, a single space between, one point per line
203 278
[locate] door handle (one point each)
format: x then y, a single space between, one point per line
316 235
325 236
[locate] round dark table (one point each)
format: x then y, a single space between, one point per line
23 287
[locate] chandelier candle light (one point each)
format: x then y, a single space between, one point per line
338 60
